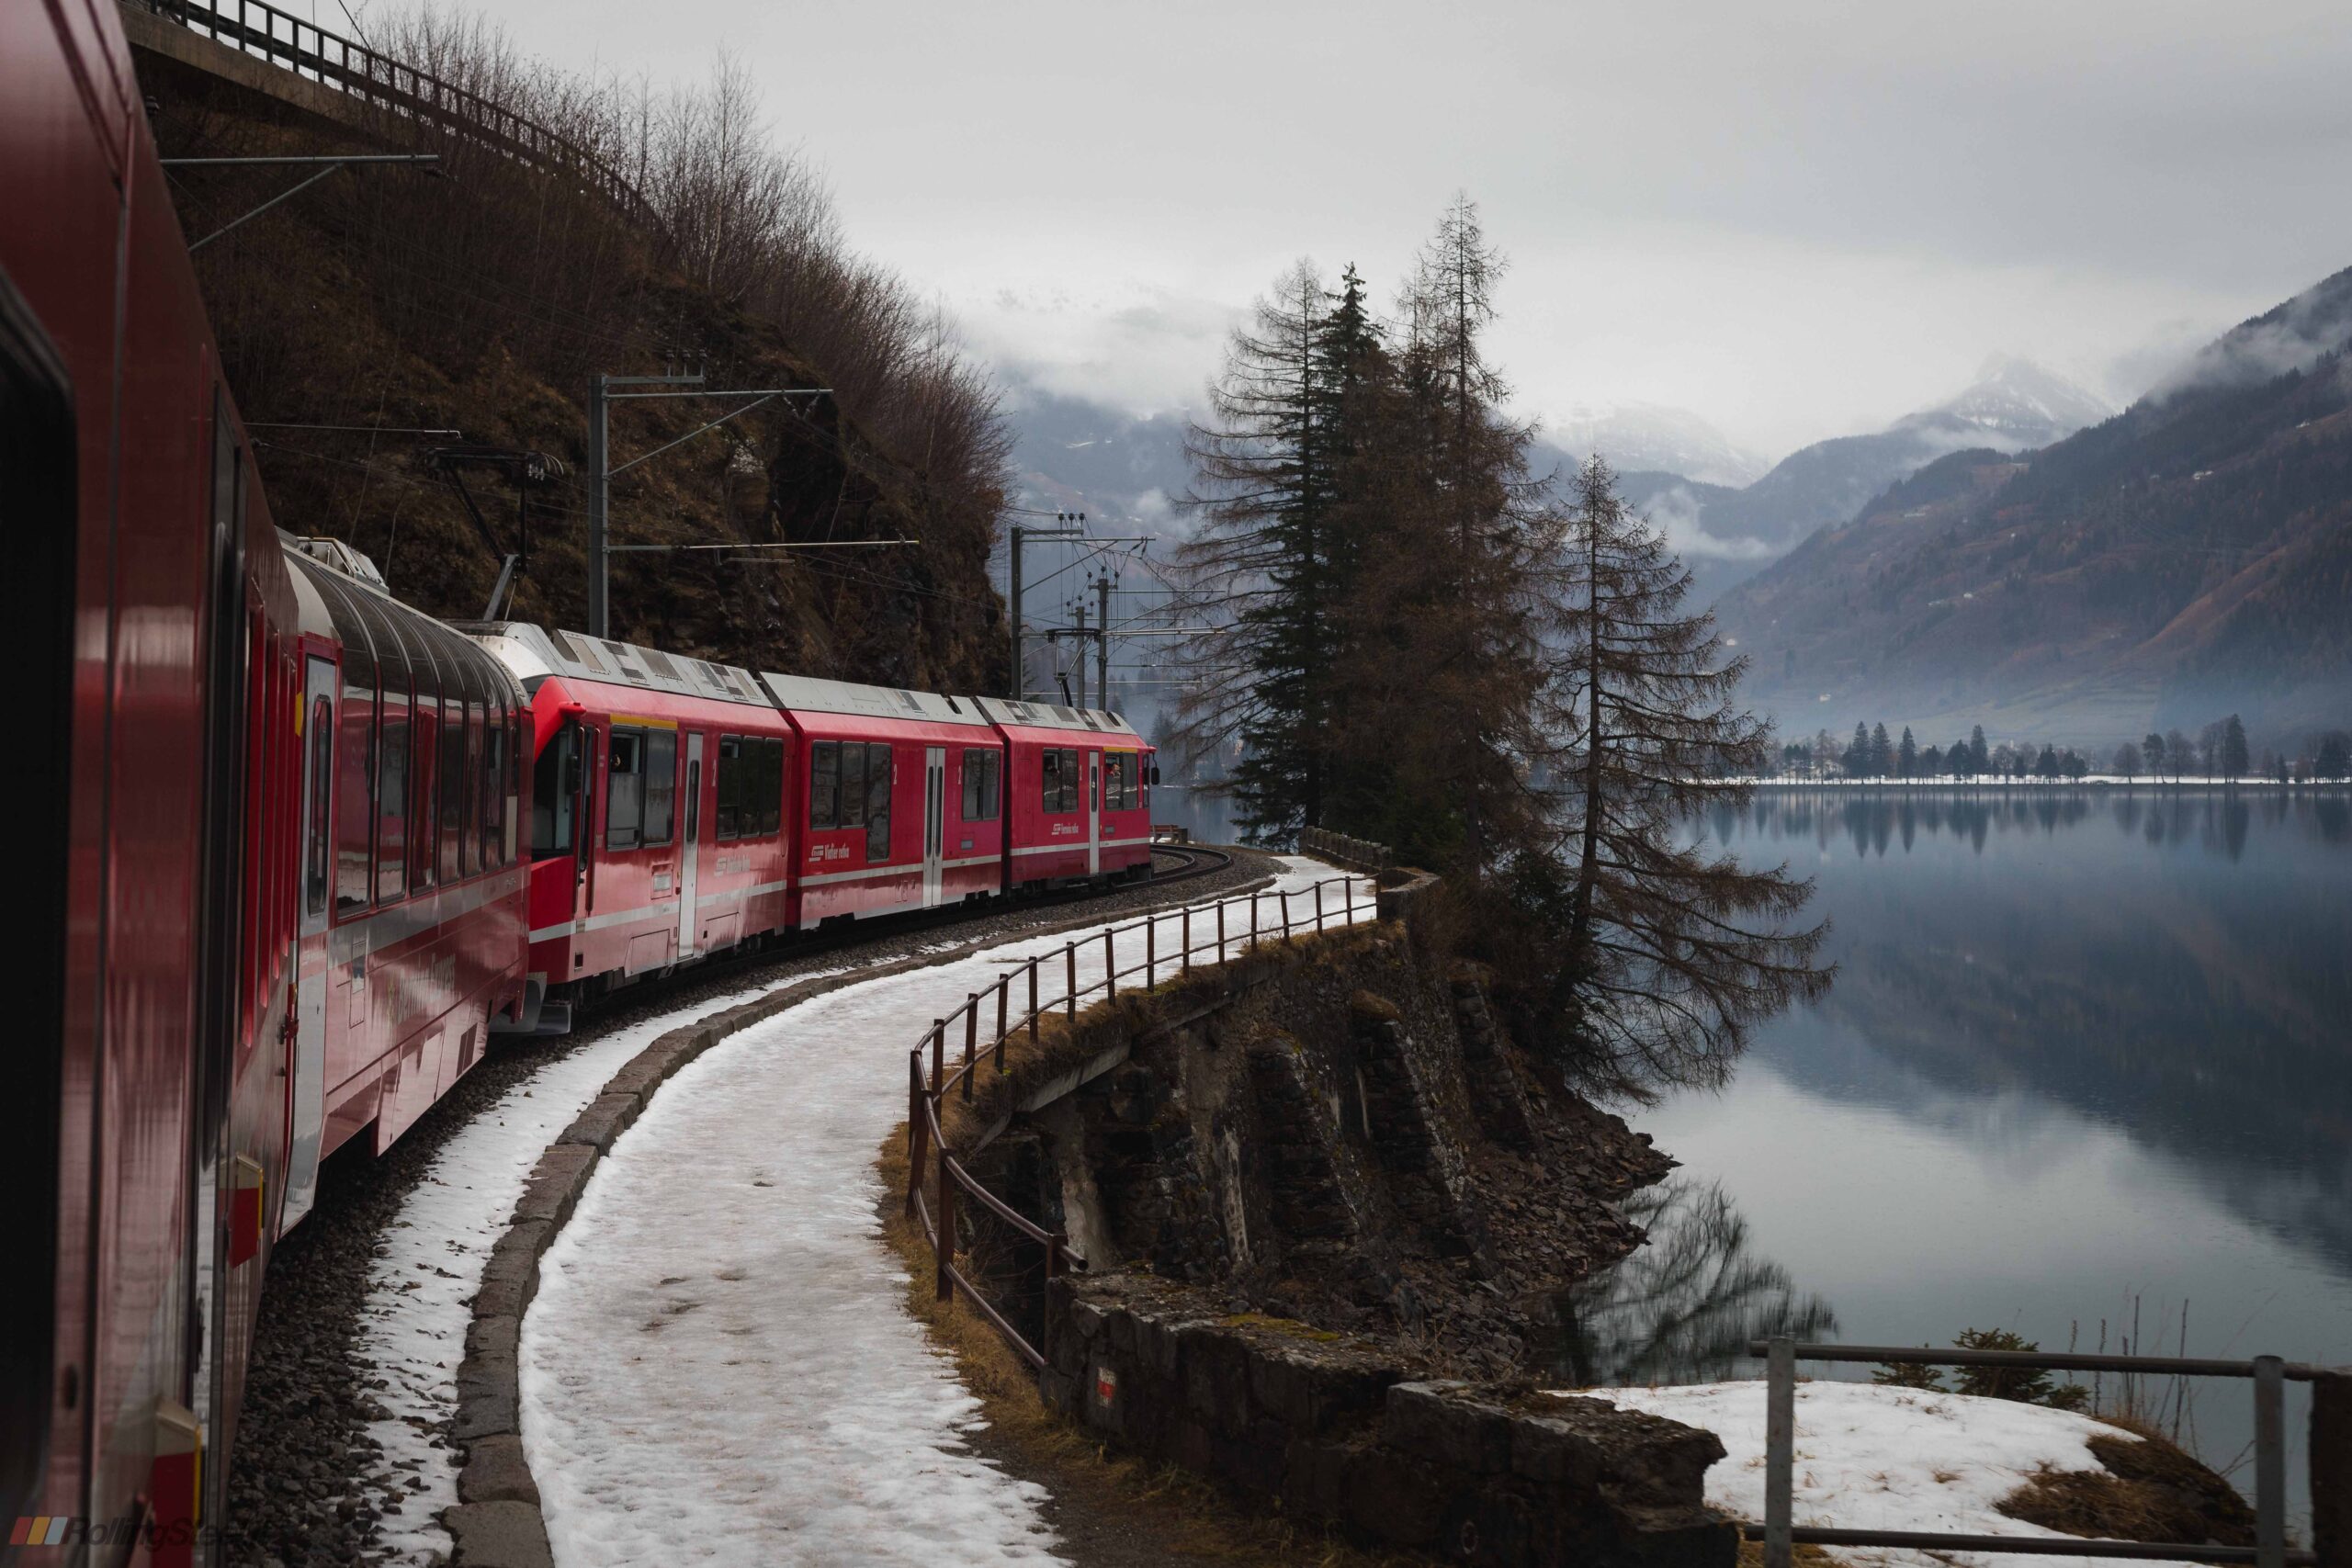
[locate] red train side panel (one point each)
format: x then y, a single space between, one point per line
1078 792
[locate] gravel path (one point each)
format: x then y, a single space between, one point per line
313 1481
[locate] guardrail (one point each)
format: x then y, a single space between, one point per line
1345 849
2269 1373
296 44
1221 932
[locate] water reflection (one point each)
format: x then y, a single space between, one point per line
2182 977
1682 1308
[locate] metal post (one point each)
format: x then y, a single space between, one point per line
2270 1463
1285 912
1110 969
1070 978
1318 906
1102 642
1080 645
600 486
1185 967
1032 1001
971 1033
1780 1448
1151 952
914 1129
944 1253
1020 690
1220 930
1003 994
1253 924
938 1054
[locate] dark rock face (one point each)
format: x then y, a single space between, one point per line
1335 1427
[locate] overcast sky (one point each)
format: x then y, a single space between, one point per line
1797 219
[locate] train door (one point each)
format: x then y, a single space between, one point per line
690 845
934 824
306 1091
1093 813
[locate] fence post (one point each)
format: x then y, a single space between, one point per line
1253 923
1070 979
1780 1448
1110 968
1184 965
938 1054
1151 952
1318 906
1220 930
1033 999
943 1254
1284 912
914 1129
1003 997
2269 1464
971 1034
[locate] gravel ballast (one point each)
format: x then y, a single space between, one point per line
310 1483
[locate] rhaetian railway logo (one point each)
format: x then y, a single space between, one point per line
63 1529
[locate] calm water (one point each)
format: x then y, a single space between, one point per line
2086 1058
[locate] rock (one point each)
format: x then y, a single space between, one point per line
497 1535
496 1471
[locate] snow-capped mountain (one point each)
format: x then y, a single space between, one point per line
1652 438
2019 405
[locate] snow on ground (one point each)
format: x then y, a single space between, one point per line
419 1287
719 1366
1874 1458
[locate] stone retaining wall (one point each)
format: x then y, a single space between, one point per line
1336 1429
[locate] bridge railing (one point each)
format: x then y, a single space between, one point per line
295 43
1022 997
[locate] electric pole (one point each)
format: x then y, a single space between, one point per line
1081 636
1068 525
1102 641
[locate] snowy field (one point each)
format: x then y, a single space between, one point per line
413 1331
718 1367
1871 1458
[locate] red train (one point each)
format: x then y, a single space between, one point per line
313 849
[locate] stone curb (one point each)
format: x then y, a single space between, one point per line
497 1522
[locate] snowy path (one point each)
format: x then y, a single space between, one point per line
719 1366
1872 1458
430 1260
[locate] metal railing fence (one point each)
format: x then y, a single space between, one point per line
294 43
1781 1535
1219 929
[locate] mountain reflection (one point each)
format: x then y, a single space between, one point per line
1683 1306
2181 976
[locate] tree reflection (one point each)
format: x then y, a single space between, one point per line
1683 1306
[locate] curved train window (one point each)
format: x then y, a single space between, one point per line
660 786
625 790
314 852
493 786
355 859
450 773
469 828
424 748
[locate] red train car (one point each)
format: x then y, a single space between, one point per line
144 1137
413 888
872 844
1078 793
657 829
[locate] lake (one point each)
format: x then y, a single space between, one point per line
2087 1063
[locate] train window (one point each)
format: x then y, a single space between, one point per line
1049 790
391 799
1120 781
554 787
981 784
625 791
771 787
315 853
878 768
423 728
660 786
853 786
355 870
450 773
1062 781
493 787
824 786
727 787
469 796
513 784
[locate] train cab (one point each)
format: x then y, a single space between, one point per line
657 832
898 797
1078 792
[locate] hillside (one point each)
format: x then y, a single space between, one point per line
2191 557
366 318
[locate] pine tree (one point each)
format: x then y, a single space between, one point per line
2234 749
1907 756
2152 751
1857 753
1979 759
1675 953
1882 761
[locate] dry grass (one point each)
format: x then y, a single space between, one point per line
2150 1490
1171 1511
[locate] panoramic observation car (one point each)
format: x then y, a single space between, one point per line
657 832
1078 790
412 903
868 848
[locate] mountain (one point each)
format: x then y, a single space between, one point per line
2012 406
1646 437
2188 558
1075 455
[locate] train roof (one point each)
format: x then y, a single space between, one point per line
530 650
809 693
1054 715
340 594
